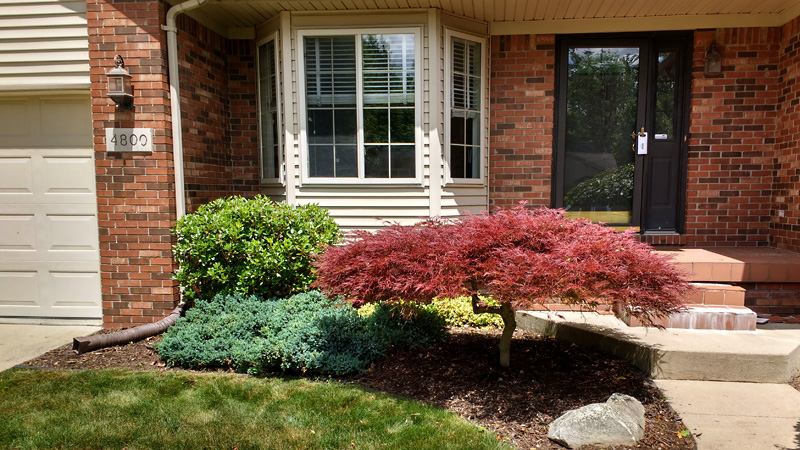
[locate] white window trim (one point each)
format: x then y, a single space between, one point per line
281 178
448 54
305 179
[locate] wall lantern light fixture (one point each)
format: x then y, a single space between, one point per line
713 60
119 84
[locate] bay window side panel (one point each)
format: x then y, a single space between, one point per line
465 118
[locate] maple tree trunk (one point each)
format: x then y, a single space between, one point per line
509 325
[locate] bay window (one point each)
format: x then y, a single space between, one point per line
269 123
361 106
465 109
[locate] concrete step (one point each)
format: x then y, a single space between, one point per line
716 294
703 317
761 356
712 306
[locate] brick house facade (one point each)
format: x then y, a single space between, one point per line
742 170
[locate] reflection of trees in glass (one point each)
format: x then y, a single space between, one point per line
388 98
666 93
602 91
387 88
612 189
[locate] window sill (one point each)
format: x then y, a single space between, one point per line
462 183
363 183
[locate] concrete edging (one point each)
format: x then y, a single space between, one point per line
762 356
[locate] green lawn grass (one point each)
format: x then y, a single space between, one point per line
113 409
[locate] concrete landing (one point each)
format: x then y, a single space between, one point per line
761 356
737 416
736 264
748 406
20 343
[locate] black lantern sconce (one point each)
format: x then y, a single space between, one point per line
713 60
119 85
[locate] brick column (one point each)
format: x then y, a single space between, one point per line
135 192
732 138
785 226
521 122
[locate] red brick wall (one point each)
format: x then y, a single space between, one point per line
780 299
521 120
785 231
219 114
243 107
204 113
135 199
732 134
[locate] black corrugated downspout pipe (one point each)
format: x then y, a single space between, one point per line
88 343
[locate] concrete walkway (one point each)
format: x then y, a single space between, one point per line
737 416
20 343
728 387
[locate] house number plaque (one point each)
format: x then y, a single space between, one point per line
129 140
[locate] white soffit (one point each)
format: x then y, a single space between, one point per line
529 16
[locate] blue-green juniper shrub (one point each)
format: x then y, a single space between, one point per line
306 332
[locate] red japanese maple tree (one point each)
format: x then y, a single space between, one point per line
519 257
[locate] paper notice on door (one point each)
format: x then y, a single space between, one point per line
641 143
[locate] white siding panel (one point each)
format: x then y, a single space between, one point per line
34 56
457 200
369 207
43 45
460 198
275 193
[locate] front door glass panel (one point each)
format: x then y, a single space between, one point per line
602 92
666 107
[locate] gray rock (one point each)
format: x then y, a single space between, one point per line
618 421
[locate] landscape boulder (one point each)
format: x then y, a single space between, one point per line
618 421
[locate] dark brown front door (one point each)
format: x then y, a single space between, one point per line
611 91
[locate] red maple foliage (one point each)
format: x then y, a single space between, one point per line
519 257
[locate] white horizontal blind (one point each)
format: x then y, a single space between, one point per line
388 69
361 106
465 109
330 70
331 99
466 72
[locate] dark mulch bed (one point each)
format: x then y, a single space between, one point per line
547 378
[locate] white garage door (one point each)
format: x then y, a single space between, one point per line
49 260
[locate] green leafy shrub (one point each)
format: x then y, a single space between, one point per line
250 246
305 332
612 188
457 312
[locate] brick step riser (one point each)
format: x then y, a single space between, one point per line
709 307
